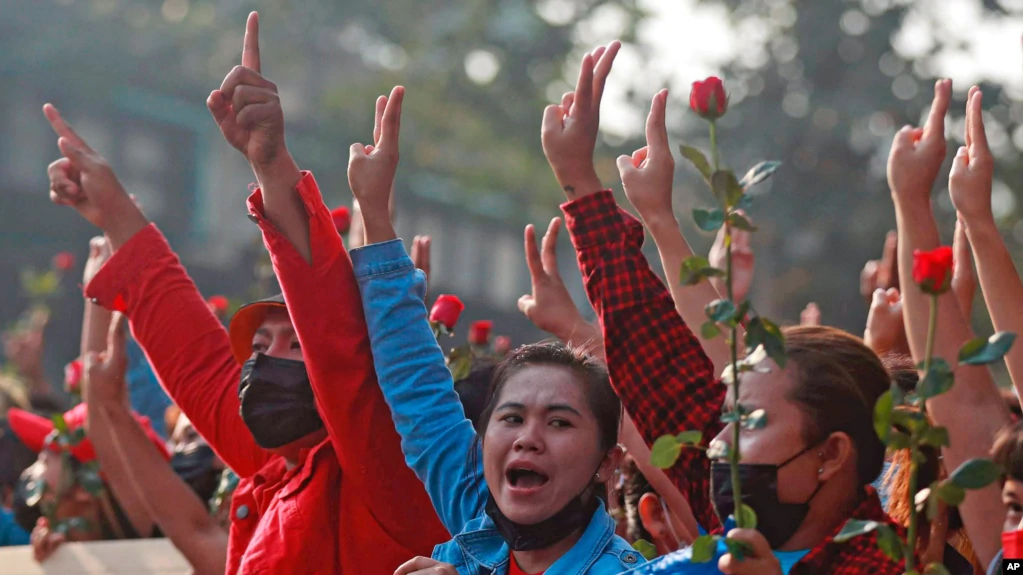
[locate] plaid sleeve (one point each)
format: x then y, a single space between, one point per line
657 365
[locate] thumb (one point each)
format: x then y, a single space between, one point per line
552 119
903 138
356 151
79 157
625 165
117 340
526 304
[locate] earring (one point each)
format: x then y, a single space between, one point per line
820 471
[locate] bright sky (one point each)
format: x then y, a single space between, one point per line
690 41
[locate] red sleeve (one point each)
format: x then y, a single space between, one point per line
185 343
326 308
658 368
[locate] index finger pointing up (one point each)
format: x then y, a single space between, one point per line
939 108
62 128
250 46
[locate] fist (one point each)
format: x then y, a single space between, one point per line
885 331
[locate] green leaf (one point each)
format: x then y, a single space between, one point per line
936 569
704 548
665 451
646 549
460 365
949 492
762 331
898 440
935 437
739 549
720 310
974 474
730 417
737 221
889 543
709 330
855 528
756 420
911 421
726 188
695 269
883 416
697 159
709 220
982 351
77 436
718 450
759 173
746 517
938 379
58 423
745 202
691 437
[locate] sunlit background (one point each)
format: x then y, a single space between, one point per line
820 84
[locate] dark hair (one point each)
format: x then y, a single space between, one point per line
603 401
1007 451
474 390
15 457
838 381
635 487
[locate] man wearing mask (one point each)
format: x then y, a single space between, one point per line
287 397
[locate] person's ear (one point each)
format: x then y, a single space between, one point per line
607 466
835 453
651 514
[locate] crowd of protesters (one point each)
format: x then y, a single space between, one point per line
326 430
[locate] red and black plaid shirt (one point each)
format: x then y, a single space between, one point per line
665 380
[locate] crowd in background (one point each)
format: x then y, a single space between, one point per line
331 428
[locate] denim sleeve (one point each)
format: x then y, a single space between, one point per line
436 438
147 397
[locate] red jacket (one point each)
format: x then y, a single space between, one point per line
351 505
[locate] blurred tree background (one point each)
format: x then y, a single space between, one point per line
821 85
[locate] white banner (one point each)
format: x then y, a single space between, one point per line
137 557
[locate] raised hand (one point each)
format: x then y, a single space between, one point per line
917 153
743 261
882 273
569 131
371 169
649 172
104 374
83 180
23 347
99 253
247 107
811 315
44 541
760 562
969 181
885 331
550 306
420 255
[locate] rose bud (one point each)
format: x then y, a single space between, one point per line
502 345
64 261
446 310
479 332
932 270
73 376
218 304
708 98
342 219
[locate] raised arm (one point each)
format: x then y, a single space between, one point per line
323 300
186 345
657 366
973 411
550 308
436 438
647 176
96 320
999 280
139 476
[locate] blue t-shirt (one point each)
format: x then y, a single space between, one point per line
788 559
146 396
10 532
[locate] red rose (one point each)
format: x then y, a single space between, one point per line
63 261
73 376
708 98
479 332
446 310
502 345
932 270
218 305
342 219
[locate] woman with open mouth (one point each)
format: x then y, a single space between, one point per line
525 495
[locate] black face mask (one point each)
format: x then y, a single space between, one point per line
277 403
777 521
195 467
573 516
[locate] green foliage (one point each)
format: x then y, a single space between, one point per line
704 548
646 549
709 220
698 160
982 351
696 269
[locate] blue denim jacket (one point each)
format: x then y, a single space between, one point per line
438 441
146 396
